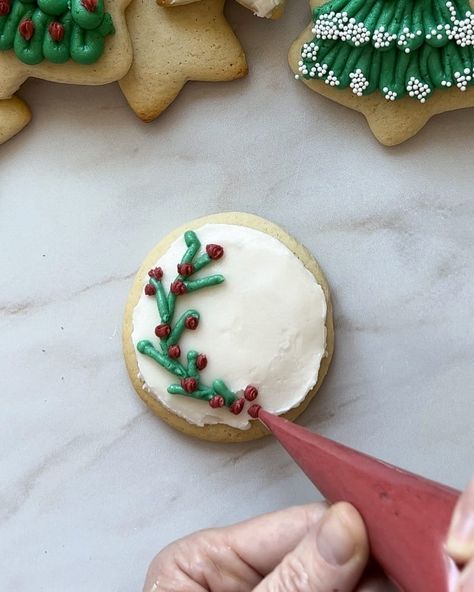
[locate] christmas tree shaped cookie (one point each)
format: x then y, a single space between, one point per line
92 42
399 62
228 313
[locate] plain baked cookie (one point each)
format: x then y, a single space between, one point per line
398 62
223 309
172 46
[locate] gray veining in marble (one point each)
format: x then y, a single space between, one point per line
91 484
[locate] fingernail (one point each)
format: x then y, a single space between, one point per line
335 542
461 531
466 581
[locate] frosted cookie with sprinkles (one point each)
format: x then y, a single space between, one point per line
228 313
399 62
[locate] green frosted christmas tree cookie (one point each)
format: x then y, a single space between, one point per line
390 51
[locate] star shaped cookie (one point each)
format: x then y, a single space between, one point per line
391 121
174 45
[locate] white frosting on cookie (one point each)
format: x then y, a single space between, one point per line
265 325
263 8
178 2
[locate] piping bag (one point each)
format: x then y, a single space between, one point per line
406 516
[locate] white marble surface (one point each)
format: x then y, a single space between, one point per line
91 484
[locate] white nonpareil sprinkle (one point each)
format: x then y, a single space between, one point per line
382 38
461 30
418 89
389 95
332 79
463 79
358 82
339 26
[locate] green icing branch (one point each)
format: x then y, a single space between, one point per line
168 353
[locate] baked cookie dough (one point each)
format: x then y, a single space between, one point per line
93 42
227 312
398 62
172 46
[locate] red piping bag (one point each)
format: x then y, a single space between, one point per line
407 517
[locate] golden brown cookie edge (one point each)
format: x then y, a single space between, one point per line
391 122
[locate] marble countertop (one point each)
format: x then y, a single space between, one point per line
92 484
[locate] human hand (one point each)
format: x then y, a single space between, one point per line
301 549
460 543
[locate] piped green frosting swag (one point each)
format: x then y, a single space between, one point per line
54 30
398 47
167 353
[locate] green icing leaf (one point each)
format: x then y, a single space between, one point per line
170 330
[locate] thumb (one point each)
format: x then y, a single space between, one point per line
331 556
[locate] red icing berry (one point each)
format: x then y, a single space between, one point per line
162 331
185 268
201 362
217 401
178 287
174 351
150 290
89 5
56 30
4 7
189 384
254 410
250 393
214 251
27 29
191 323
156 273
237 406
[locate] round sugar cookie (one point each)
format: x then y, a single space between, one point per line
227 312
